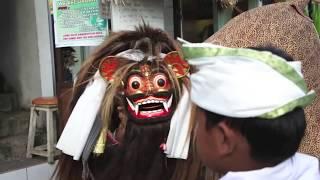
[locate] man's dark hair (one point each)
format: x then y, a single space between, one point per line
270 140
275 51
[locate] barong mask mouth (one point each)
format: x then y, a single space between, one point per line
147 90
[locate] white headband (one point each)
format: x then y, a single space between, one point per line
240 83
245 83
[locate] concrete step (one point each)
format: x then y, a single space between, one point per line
14 123
8 102
14 135
6 166
14 147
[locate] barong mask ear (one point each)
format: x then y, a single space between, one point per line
148 90
108 67
177 64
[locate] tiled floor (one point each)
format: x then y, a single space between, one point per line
22 163
38 172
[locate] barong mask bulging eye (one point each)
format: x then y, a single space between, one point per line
147 90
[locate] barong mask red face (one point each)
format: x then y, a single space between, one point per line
148 91
149 94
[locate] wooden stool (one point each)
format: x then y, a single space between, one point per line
49 105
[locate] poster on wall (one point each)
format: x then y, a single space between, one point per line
78 23
125 16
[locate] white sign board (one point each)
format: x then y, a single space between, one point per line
132 13
78 23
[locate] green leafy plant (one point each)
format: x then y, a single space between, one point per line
315 14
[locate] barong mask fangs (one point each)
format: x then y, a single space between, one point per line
147 90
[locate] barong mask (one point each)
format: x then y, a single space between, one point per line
126 100
147 90
148 93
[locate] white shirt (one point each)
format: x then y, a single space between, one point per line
298 167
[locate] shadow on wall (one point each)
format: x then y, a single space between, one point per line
8 99
19 63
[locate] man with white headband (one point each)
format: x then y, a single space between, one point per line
249 116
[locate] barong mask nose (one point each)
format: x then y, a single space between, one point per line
148 91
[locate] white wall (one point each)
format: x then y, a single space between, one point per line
19 50
26 49
45 47
168 17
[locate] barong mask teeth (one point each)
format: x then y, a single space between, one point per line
147 90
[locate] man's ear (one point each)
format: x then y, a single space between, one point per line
227 138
